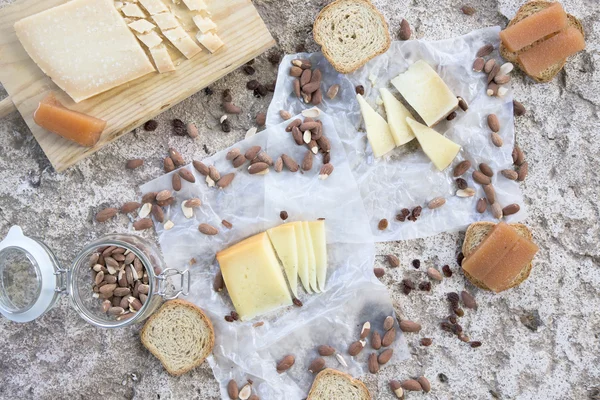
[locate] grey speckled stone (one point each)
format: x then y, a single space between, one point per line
60 356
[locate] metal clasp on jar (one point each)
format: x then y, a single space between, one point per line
163 279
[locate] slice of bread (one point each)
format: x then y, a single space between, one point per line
180 335
525 11
473 238
351 32
331 384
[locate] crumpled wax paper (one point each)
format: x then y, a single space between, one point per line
252 203
406 178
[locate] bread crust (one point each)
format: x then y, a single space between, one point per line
318 38
157 314
526 10
331 371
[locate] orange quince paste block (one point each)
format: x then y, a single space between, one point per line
72 125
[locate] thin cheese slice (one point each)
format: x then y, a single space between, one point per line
204 24
310 253
378 130
317 233
283 238
162 59
85 46
142 26
396 118
132 10
209 40
175 34
253 277
119 5
440 150
195 5
302 256
187 47
166 21
154 6
150 40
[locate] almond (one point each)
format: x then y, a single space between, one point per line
133 164
297 135
405 32
286 363
158 213
326 170
311 87
278 165
481 206
478 64
493 122
366 329
310 125
324 144
510 174
490 193
192 203
461 168
511 209
225 180
264 157
176 157
492 89
388 337
434 274
258 168
317 97
239 161
200 167
523 170
232 390
466 192
372 363
106 214
436 203
393 261
295 123
187 175
376 340
130 207
489 65
166 202
304 64
332 92
176 182
356 347
231 108
486 169
289 163
397 389
325 350
501 79
497 140
168 165
409 326
142 224
518 108
385 356
316 76
518 156
468 300
252 152
305 77
208 229
295 71
232 154
496 210
425 385
388 323
493 74
485 50
298 93
218 282
313 146
145 211
411 385
163 195
481 178
192 131
318 363
307 162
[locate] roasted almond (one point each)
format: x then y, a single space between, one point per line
317 364
411 385
468 300
307 162
497 140
409 326
289 163
466 192
490 193
208 229
501 79
518 156
485 50
218 282
518 108
108 288
133 164
376 340
478 64
372 363
258 168
278 167
307 126
317 97
163 195
264 157
252 152
523 170
481 178
311 87
305 77
486 169
187 175
231 155
510 174
324 144
325 350
356 347
201 167
225 180
397 389
130 207
404 33
297 135
481 206
385 356
176 182
493 122
333 91
492 89
365 330
106 214
496 209
158 213
239 161
436 203
493 73
142 224
511 209
214 173
326 170
295 71
461 168
393 261
285 363
231 108
168 165
434 274
192 130
192 203
388 337
388 323
298 93
295 123
176 157
233 390
304 64
316 76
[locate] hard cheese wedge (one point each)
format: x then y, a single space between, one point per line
283 238
302 255
317 233
396 118
378 131
253 277
426 92
440 150
310 253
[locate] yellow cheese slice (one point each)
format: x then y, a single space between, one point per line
317 233
166 21
253 277
195 5
310 253
209 40
141 26
175 34
132 10
440 150
162 59
302 255
182 42
396 118
426 92
154 6
150 39
283 238
378 131
204 24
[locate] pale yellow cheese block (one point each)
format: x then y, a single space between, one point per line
396 118
162 59
440 150
378 130
302 255
310 253
283 238
426 92
253 277
85 46
319 240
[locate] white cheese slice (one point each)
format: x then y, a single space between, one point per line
162 59
440 150
132 10
378 131
310 252
175 34
195 5
142 26
154 6
302 255
119 5
150 39
166 21
426 92
283 238
187 47
204 24
319 241
253 277
396 118
209 40
85 46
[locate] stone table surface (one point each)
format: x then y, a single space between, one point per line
540 340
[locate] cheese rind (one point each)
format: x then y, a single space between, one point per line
319 240
283 238
440 150
205 24
209 40
162 59
426 92
310 252
154 6
378 130
396 118
84 46
253 277
302 255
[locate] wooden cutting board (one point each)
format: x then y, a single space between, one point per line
128 106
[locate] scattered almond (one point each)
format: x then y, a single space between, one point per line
493 122
158 213
523 170
231 108
411 385
385 356
425 385
388 337
176 182
490 193
208 229
409 326
481 178
289 163
317 364
383 224
106 214
192 130
511 209
333 91
467 192
366 329
356 347
393 261
168 165
200 167
286 363
518 108
496 209
405 31
231 155
239 161
479 64
252 152
485 50
433 274
133 164
436 203
176 157
214 173
486 169
163 195
142 224
397 389
461 168
325 350
388 323
481 205
326 170
258 168
510 174
307 162
130 207
232 390
497 140
468 300
187 175
376 340
372 363
225 180
489 65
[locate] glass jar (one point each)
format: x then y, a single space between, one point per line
32 280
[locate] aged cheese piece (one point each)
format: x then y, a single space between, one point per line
317 233
310 252
209 40
195 5
72 125
175 34
205 24
302 255
84 46
119 5
141 26
396 118
378 130
183 42
166 21
440 150
535 27
132 10
150 39
551 51
253 277
162 59
154 6
283 238
425 91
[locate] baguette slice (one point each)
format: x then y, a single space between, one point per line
473 238
331 384
525 11
180 335
351 32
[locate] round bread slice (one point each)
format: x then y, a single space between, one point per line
331 384
351 32
180 335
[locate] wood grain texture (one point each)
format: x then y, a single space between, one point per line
128 106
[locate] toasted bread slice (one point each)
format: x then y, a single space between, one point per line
331 384
180 335
473 238
525 11
351 32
